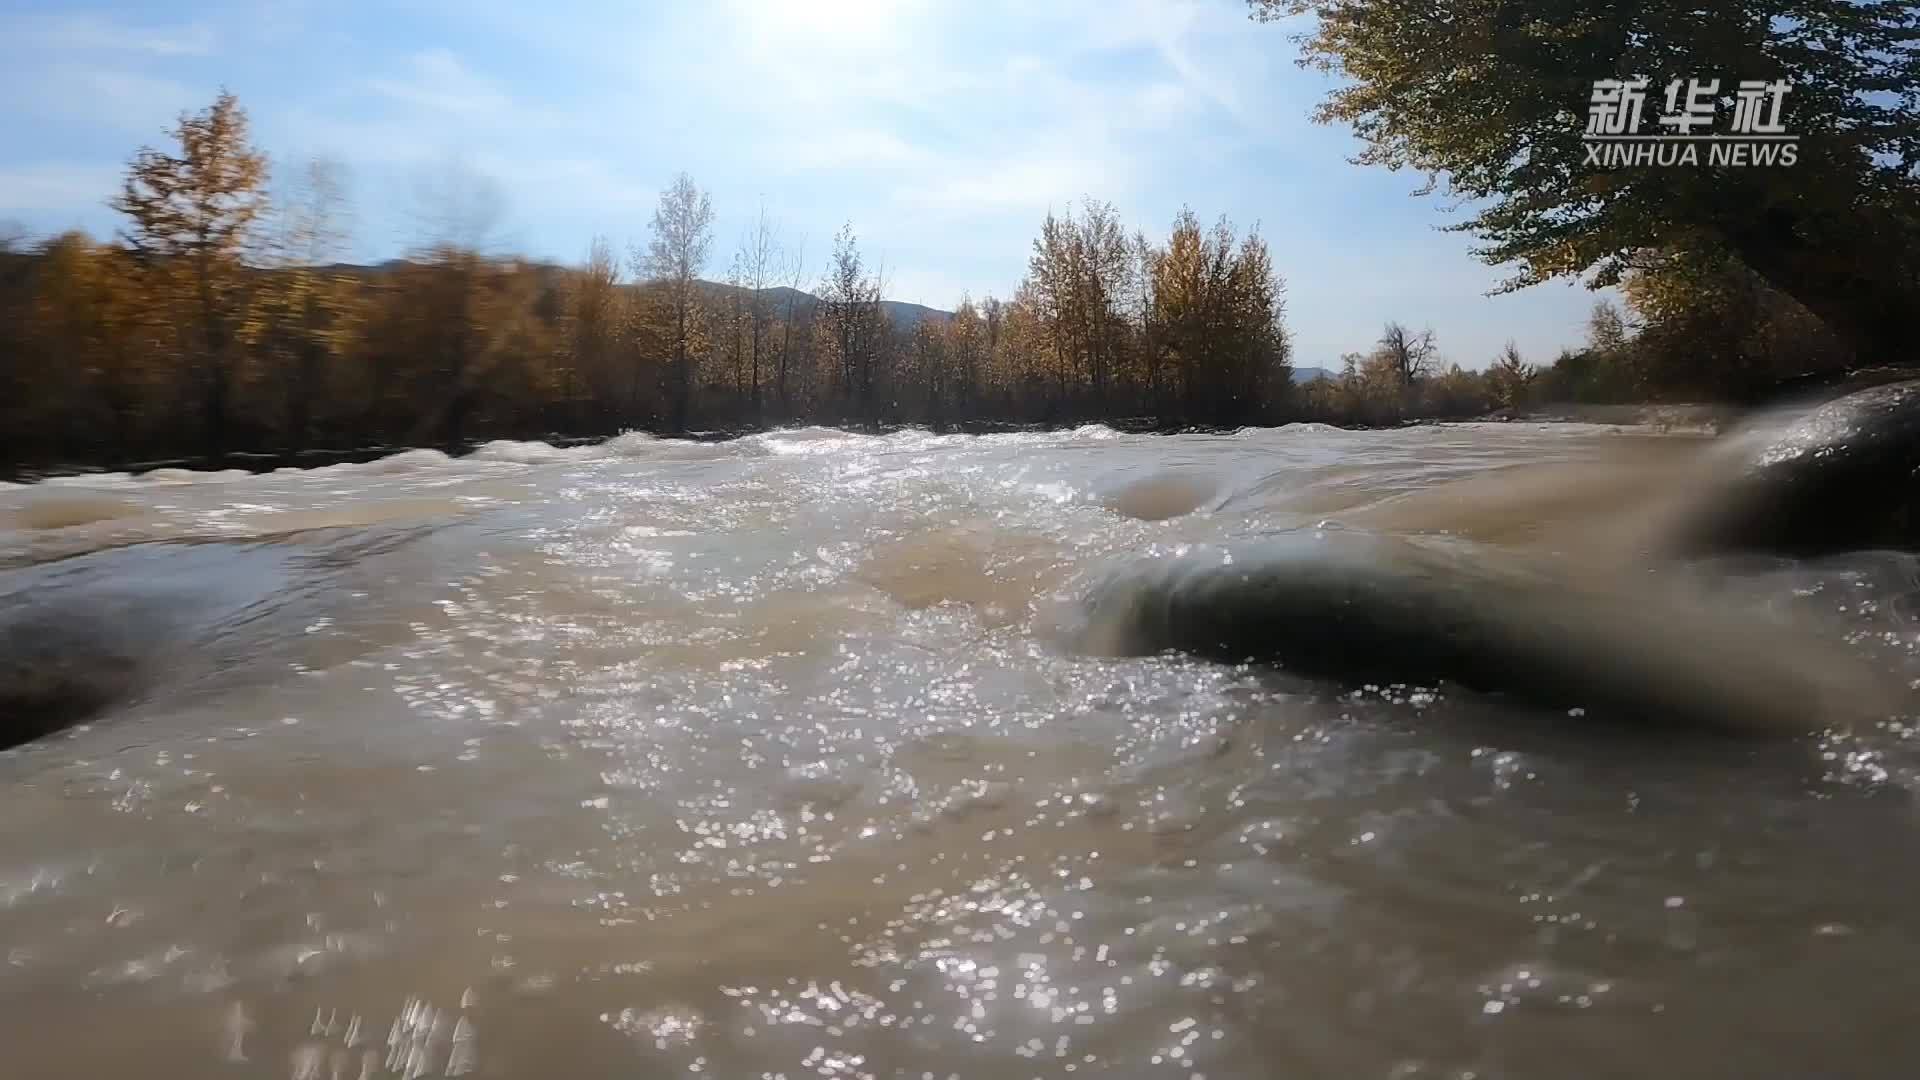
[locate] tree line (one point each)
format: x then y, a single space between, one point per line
223 320
1722 337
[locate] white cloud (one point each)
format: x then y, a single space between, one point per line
53 187
431 108
1005 110
94 33
847 148
1031 184
799 56
96 95
438 81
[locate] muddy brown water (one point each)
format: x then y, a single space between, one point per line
758 759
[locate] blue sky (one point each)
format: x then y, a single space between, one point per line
943 131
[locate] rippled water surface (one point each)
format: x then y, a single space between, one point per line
759 759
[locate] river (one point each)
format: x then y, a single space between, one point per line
763 759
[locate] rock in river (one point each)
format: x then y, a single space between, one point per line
1844 476
1355 607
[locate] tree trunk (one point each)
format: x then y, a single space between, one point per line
786 351
753 388
216 391
682 372
300 407
1854 293
1851 261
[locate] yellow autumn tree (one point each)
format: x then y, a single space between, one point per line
191 216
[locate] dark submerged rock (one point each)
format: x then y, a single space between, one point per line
58 669
1355 608
86 636
1844 476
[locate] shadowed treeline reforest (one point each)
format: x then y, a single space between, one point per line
222 319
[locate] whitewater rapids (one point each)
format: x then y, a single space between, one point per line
770 758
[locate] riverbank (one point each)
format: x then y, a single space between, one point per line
1700 419
1707 419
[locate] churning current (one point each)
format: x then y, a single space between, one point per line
771 758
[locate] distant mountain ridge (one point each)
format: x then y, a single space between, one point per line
906 316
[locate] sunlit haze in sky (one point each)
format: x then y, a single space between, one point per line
942 131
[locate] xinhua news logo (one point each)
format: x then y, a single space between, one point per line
1757 137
